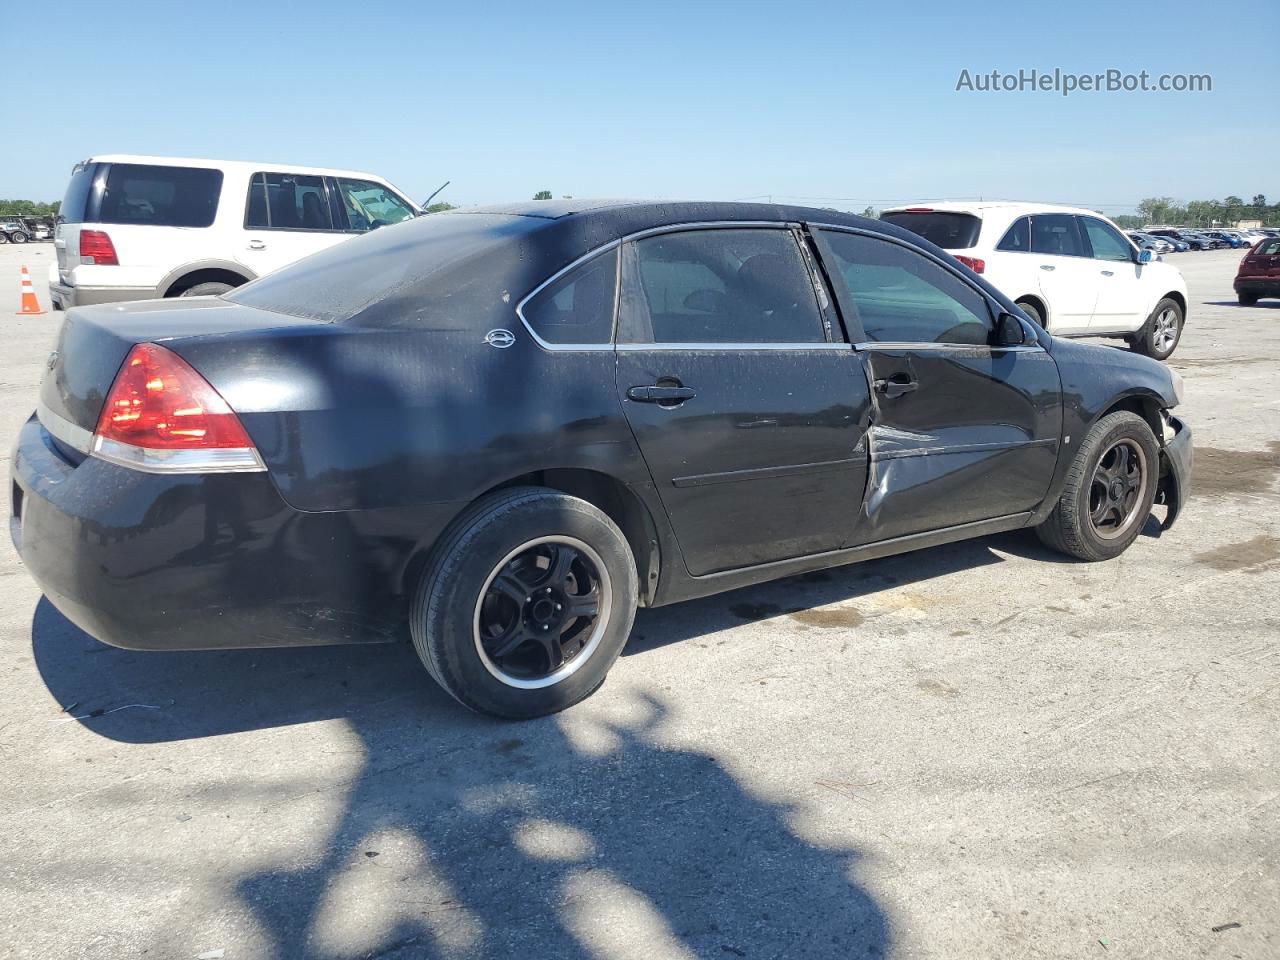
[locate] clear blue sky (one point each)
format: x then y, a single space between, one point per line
847 103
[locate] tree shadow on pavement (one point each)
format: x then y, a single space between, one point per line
584 835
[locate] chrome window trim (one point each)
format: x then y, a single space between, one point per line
73 435
168 462
617 280
617 290
947 347
668 347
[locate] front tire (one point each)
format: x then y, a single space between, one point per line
1160 335
526 603
1108 492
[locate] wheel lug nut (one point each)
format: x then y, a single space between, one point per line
557 606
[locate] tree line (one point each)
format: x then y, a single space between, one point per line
28 208
1202 213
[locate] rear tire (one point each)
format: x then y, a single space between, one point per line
4 238
1162 332
482 643
19 237
1247 299
1088 524
211 289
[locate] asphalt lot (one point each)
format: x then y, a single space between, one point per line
979 750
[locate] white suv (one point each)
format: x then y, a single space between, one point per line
1072 271
134 228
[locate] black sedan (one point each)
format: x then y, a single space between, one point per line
497 432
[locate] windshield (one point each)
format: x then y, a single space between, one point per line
950 231
391 263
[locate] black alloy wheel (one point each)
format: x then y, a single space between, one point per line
543 607
1115 492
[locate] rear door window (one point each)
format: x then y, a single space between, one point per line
950 231
901 296
1057 235
369 205
288 201
576 308
719 286
156 196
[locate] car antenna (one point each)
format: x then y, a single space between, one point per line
427 202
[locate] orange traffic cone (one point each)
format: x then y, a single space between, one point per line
30 305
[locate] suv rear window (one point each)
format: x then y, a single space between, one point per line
143 194
950 231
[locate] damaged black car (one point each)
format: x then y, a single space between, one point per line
497 432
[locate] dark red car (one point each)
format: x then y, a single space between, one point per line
1259 273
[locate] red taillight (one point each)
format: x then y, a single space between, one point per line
159 403
973 263
96 248
917 210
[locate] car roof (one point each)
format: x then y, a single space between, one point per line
1012 208
642 214
249 166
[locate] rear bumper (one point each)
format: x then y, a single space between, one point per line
1175 470
152 562
68 296
1263 286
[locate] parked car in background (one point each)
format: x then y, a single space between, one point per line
136 228
1215 242
1191 240
1071 270
1259 273
1157 245
1230 239
501 430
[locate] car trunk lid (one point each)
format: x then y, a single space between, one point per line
94 342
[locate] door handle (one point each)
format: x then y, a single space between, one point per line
896 386
653 393
257 245
1107 273
1047 266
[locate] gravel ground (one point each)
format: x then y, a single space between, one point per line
973 751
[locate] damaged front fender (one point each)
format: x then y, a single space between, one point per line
1175 468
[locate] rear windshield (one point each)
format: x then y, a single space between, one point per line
390 263
950 231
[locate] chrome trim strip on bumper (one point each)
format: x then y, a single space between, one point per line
215 460
76 437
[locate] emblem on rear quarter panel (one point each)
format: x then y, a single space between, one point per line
500 338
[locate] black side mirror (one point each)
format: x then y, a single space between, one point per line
1010 331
